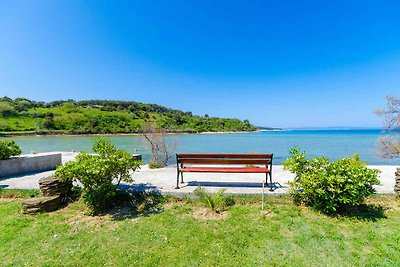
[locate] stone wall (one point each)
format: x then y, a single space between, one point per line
29 164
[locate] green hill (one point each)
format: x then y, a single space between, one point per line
21 115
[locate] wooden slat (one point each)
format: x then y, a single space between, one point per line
225 170
224 161
230 156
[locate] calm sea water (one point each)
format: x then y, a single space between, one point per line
334 144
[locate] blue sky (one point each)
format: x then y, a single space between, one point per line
276 63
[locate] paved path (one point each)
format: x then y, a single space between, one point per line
164 180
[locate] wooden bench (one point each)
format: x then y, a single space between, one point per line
250 163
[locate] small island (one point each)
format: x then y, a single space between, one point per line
23 116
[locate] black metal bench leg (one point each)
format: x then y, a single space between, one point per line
177 180
272 185
181 177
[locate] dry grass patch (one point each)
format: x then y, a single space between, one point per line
208 215
268 213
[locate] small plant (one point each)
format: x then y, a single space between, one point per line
217 202
328 186
99 174
9 148
251 165
154 165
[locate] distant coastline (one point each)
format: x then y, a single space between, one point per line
338 128
13 134
47 134
21 116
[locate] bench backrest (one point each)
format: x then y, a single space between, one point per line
225 159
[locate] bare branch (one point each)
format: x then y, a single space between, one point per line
161 150
389 147
391 113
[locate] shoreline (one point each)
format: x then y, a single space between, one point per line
118 134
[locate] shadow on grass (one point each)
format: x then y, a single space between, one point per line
364 212
132 204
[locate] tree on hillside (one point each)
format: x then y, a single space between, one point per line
389 146
6 109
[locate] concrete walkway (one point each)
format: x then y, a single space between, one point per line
164 180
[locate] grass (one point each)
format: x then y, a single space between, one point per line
172 236
17 193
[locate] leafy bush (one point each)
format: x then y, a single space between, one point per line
99 174
217 202
329 186
9 148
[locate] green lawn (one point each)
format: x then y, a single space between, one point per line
179 235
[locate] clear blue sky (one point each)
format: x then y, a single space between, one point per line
276 63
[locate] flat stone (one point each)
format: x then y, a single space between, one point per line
50 186
41 204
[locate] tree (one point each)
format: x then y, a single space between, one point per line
389 146
161 150
48 120
6 109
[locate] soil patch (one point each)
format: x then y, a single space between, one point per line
207 214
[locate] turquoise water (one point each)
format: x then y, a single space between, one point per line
334 144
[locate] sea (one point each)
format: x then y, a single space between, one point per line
334 144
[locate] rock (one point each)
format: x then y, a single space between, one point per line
50 186
397 182
41 204
54 195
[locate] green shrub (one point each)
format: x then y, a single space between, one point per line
329 186
9 148
99 174
153 165
217 202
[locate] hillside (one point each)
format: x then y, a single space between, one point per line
21 115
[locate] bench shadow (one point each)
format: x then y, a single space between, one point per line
275 185
136 201
142 187
364 212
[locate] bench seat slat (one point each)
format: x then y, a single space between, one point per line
224 169
222 156
225 161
